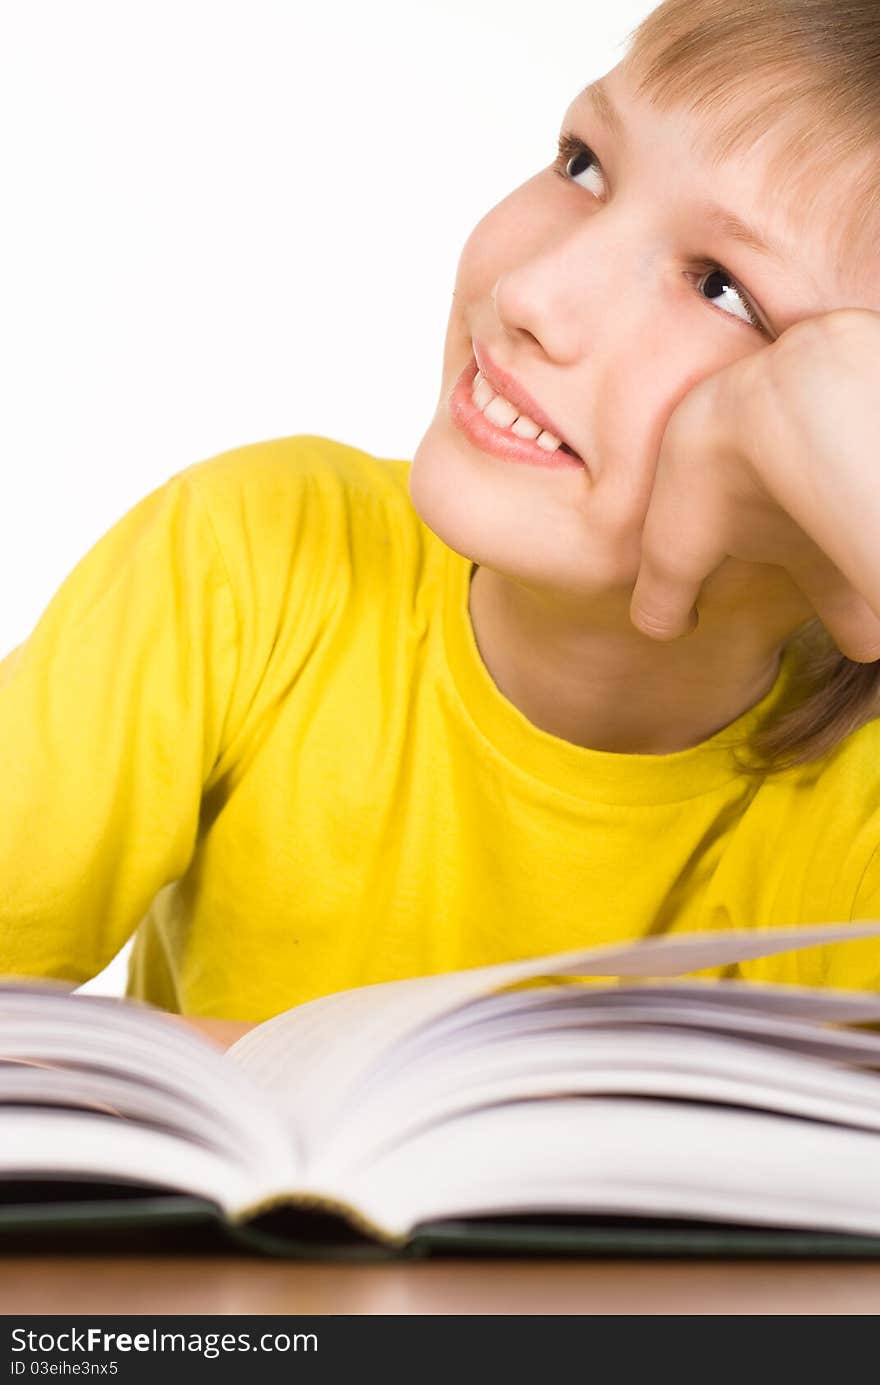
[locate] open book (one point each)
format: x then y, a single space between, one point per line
467 1110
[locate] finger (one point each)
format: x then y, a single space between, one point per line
681 538
663 603
851 622
664 599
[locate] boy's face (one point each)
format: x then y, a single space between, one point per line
600 295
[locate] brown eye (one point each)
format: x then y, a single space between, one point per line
575 162
716 281
575 159
580 162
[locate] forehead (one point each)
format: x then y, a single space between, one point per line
810 186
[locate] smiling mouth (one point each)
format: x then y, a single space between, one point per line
506 403
507 416
495 425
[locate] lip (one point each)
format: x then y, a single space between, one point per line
511 389
501 442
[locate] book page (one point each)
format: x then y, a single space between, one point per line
787 1014
51 1144
106 1072
309 1058
611 1052
627 1157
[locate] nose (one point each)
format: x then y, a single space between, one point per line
571 291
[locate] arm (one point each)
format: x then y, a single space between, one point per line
111 717
223 1033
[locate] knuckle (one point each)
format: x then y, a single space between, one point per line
841 321
818 334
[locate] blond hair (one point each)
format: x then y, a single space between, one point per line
811 69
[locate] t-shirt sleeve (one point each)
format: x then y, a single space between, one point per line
112 716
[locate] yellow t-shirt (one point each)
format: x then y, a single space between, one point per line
254 725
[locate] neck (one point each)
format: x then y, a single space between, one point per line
606 686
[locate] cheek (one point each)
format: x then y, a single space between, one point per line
506 235
631 405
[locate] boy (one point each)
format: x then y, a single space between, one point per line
308 719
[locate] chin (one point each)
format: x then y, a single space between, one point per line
518 522
437 490
463 504
496 527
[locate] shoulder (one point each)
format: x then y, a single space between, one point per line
304 522
309 504
293 472
858 792
322 501
837 802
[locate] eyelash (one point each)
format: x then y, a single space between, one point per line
570 144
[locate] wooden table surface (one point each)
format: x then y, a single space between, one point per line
79 1284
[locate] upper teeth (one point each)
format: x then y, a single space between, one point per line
500 410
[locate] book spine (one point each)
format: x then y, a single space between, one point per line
302 1200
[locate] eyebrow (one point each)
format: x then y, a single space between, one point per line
718 218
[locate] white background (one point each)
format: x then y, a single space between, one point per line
231 220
